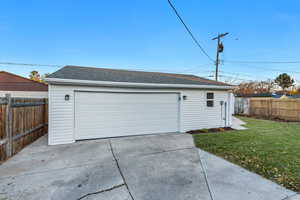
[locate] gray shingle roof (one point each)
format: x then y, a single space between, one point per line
116 75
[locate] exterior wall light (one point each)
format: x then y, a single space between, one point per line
67 97
184 97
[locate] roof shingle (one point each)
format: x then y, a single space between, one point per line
116 75
13 82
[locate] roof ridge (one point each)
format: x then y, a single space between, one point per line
128 70
162 73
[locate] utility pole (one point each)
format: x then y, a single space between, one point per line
220 49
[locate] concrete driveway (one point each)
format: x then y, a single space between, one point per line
142 167
161 167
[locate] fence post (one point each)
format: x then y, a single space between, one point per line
269 109
8 126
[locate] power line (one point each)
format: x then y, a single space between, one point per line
193 68
272 69
185 70
29 64
280 70
190 32
242 79
237 74
135 68
261 62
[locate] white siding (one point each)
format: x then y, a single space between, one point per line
25 94
194 114
60 115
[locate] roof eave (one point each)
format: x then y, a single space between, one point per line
131 84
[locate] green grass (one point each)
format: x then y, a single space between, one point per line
269 148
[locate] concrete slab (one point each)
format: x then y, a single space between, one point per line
294 197
59 172
237 124
68 183
157 167
239 121
40 157
141 145
173 175
229 181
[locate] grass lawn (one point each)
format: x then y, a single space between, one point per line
269 148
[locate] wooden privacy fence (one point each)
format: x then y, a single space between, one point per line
22 121
285 109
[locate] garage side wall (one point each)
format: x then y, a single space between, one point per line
193 114
61 114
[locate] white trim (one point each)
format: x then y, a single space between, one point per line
25 94
130 84
49 114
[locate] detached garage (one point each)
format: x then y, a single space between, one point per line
88 103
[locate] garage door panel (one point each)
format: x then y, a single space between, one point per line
99 115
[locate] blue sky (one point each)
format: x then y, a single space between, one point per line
146 35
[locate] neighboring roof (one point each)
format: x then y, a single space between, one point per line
13 82
126 76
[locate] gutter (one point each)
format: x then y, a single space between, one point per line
133 85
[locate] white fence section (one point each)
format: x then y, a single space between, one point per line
242 106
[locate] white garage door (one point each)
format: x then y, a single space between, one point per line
100 115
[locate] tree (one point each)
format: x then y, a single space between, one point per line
284 81
255 87
35 76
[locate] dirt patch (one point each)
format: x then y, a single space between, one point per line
276 119
211 130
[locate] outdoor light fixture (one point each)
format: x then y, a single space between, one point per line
67 97
184 97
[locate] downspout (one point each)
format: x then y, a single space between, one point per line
225 107
221 103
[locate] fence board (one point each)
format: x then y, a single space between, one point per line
2 130
285 109
26 121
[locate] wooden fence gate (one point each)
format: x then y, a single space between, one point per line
22 121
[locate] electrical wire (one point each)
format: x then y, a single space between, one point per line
261 62
29 64
190 32
139 68
268 69
193 68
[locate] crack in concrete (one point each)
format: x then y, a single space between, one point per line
165 151
205 177
121 173
105 190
